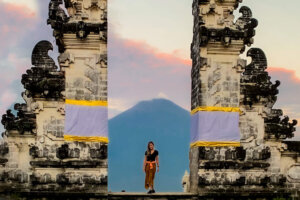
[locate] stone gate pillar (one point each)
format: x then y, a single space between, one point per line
237 138
217 43
58 140
81 36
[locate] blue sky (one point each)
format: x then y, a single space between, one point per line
149 48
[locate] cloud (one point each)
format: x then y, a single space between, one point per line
281 72
141 51
15 21
289 93
22 25
290 85
25 4
118 105
138 71
163 95
6 98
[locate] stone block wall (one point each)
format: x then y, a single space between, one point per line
34 155
264 163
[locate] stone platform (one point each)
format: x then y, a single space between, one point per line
156 196
98 196
143 196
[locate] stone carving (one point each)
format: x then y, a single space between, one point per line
93 85
65 59
23 122
34 157
279 127
257 87
255 83
54 126
264 163
76 23
100 152
66 151
294 173
43 80
4 149
56 13
243 29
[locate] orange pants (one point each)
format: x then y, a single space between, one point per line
150 174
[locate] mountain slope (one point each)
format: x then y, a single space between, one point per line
160 121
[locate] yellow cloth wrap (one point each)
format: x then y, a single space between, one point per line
86 103
150 175
212 109
215 144
151 163
85 139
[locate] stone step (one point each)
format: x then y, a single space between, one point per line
98 196
155 196
30 195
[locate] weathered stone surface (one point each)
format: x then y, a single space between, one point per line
23 122
264 163
43 80
34 158
85 18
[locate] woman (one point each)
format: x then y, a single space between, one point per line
150 165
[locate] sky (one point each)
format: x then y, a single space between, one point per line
149 48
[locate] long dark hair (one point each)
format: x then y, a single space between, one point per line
148 147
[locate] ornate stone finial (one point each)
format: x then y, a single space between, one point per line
43 80
226 30
256 85
279 127
85 17
87 11
23 122
259 60
40 57
56 13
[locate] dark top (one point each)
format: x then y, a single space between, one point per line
152 156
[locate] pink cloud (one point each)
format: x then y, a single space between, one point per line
7 98
20 11
141 48
148 72
138 71
289 93
21 64
15 21
20 29
13 68
280 71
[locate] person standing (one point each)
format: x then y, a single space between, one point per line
151 165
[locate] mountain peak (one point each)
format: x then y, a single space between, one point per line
157 105
157 120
